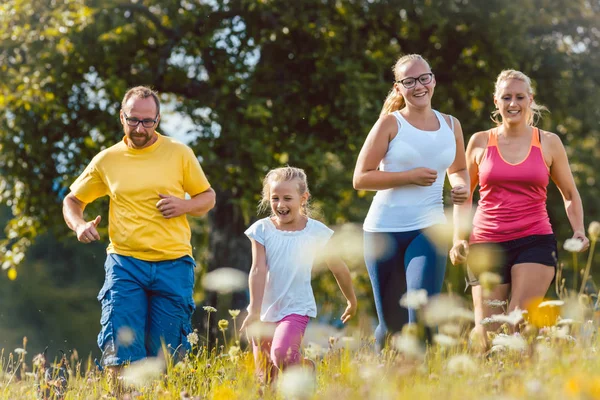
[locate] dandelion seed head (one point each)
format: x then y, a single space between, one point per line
444 340
125 336
296 383
225 280
445 308
347 243
573 245
461 364
409 345
144 372
414 299
594 230
261 330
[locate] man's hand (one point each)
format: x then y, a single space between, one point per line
87 233
459 252
171 206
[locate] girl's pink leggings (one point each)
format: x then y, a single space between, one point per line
283 349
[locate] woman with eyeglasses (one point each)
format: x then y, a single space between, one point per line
405 158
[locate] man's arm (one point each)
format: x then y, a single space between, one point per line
73 214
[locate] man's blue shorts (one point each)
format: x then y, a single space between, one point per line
144 304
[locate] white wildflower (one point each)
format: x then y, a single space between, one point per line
414 299
544 352
551 303
234 313
566 321
193 338
573 245
444 340
512 342
296 383
20 351
461 363
495 303
513 318
209 309
225 280
143 372
444 308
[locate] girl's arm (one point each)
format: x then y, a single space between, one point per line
560 172
366 174
256 282
342 275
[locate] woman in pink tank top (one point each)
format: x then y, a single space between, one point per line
513 164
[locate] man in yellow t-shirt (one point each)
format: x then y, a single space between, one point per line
148 287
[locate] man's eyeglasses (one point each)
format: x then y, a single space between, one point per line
411 82
146 123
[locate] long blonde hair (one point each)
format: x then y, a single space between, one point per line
394 100
535 110
284 174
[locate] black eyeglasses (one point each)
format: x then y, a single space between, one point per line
146 123
411 82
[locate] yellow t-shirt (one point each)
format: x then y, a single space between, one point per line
133 179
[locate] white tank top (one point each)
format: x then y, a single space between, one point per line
411 207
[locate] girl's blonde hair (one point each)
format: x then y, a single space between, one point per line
394 100
535 110
284 174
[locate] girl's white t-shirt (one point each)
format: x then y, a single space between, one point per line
290 256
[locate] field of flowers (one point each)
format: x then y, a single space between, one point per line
549 351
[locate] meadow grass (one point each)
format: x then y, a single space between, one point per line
548 351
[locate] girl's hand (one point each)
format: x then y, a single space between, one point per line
581 236
350 311
250 319
459 252
459 194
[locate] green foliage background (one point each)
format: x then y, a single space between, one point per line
264 83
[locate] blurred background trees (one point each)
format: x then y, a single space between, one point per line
251 85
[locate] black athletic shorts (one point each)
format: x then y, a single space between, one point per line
500 257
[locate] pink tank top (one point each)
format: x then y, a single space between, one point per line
512 201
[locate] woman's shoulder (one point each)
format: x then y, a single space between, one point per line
479 139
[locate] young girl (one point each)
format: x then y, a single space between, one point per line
284 247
